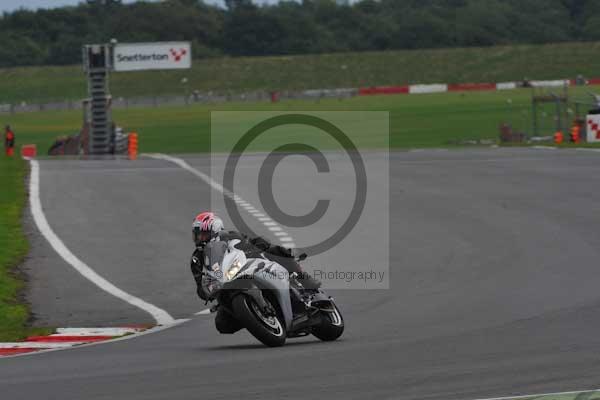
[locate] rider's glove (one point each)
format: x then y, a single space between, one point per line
261 243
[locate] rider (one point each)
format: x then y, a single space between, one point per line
208 227
9 141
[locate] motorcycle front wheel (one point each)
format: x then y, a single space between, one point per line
331 327
269 329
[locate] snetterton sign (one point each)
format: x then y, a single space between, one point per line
144 56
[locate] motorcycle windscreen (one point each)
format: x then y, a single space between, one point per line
214 253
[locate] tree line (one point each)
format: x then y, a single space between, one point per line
55 36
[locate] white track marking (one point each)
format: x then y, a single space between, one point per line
544 147
38 345
466 160
253 211
587 149
161 316
540 395
96 331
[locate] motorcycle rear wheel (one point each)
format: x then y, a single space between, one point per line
270 330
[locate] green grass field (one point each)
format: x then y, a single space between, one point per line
222 75
14 315
430 120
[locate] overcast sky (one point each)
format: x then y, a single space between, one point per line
10 5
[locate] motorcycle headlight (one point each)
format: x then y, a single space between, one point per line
235 268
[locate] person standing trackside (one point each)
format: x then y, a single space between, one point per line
9 141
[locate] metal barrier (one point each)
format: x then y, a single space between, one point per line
174 101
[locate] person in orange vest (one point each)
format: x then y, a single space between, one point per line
9 141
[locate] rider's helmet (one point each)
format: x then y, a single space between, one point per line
206 227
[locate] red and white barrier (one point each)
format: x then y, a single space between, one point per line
593 128
506 85
425 89
383 90
465 87
553 83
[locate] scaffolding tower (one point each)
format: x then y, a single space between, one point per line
97 61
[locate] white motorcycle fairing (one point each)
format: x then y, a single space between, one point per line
235 271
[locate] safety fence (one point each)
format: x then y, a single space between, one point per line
174 101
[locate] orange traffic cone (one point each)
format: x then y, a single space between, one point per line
132 147
558 137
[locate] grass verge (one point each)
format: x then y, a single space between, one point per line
243 74
14 314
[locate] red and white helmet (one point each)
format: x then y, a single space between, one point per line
206 227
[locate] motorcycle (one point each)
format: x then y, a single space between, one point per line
262 297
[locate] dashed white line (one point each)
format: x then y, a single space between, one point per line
253 211
160 315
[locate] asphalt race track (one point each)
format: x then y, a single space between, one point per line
494 286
